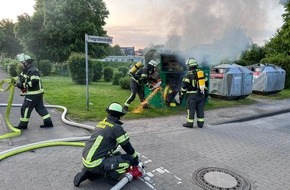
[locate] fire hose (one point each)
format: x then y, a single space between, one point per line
131 173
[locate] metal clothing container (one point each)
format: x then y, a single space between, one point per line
230 81
267 78
171 70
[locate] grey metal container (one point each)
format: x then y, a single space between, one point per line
230 81
267 78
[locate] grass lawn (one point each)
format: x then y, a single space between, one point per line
62 91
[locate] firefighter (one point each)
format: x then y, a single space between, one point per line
31 87
99 154
194 85
142 76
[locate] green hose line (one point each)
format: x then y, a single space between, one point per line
48 144
10 87
53 142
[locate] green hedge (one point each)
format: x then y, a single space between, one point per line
77 68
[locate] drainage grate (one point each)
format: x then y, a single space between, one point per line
214 178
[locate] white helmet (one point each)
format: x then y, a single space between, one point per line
153 63
24 58
191 62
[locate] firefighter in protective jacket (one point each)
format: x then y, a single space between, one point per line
138 79
99 155
194 85
31 87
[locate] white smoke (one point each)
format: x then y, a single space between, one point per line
215 30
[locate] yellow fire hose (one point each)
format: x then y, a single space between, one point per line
16 132
10 87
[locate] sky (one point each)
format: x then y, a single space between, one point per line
140 23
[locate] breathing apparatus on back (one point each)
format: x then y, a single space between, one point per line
192 65
135 68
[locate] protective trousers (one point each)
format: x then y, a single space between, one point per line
195 104
136 88
31 102
113 166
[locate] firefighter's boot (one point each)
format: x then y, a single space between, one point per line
188 125
21 127
145 105
200 125
80 177
47 124
126 108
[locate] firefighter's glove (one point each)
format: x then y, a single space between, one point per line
20 85
135 161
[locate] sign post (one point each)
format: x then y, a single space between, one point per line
93 39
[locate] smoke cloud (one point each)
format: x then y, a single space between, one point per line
214 30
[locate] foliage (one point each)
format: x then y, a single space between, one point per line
116 65
252 56
125 82
60 69
108 74
44 67
29 31
5 63
116 77
12 68
280 43
115 50
57 28
77 68
9 44
278 48
123 70
97 70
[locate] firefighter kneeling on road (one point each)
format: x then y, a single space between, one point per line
194 85
99 155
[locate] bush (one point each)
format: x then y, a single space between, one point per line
97 70
12 69
44 67
125 82
77 68
19 68
60 69
124 70
117 76
5 63
108 74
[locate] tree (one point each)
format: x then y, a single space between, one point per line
280 43
278 48
9 44
114 50
253 55
57 28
